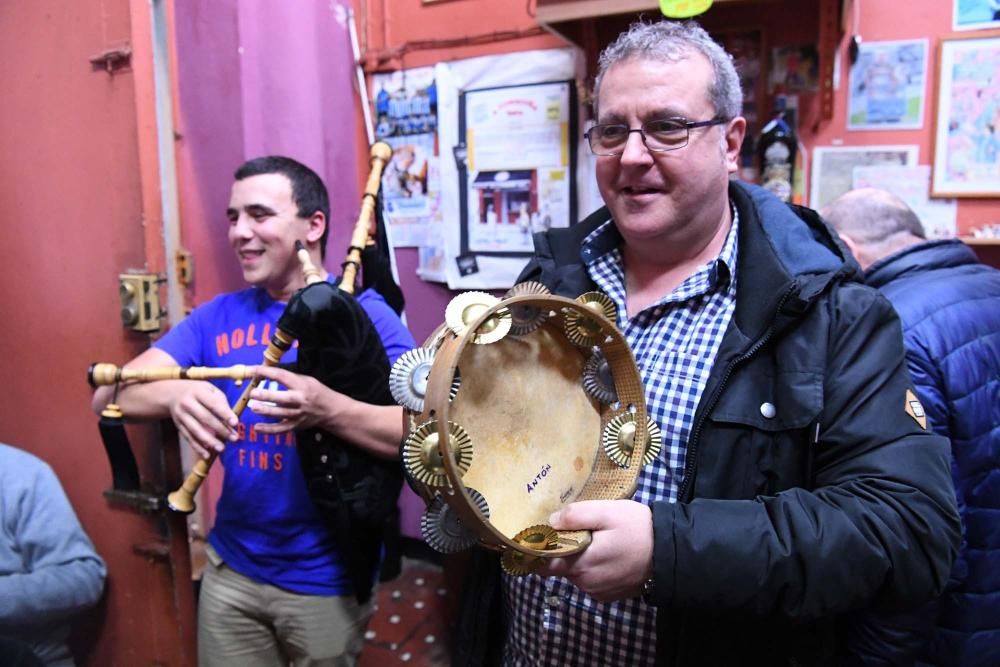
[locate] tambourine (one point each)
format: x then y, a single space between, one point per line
516 407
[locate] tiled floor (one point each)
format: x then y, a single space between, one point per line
410 624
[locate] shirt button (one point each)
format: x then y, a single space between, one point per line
553 601
768 410
322 458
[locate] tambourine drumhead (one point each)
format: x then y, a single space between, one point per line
535 431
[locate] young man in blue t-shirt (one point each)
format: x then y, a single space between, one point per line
275 590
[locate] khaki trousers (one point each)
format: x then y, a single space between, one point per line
242 623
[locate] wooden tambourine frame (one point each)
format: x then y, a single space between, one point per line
607 480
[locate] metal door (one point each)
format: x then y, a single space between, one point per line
80 202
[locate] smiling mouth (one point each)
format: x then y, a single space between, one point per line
638 190
250 254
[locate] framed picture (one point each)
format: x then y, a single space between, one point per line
967 121
887 86
975 14
833 167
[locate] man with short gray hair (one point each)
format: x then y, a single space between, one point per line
949 304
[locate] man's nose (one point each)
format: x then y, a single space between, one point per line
635 148
241 228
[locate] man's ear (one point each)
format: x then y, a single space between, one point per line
735 131
851 244
858 250
317 225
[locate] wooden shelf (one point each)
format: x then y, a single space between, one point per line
971 240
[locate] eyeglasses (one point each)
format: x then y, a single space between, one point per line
665 134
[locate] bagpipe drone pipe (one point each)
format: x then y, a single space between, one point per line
355 491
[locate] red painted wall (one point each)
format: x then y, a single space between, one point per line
79 187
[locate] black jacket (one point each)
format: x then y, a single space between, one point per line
785 525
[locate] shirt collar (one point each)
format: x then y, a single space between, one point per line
606 238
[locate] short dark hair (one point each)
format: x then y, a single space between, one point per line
308 191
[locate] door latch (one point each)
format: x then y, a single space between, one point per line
140 299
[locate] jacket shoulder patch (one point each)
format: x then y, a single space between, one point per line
915 409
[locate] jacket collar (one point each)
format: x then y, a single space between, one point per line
918 258
788 256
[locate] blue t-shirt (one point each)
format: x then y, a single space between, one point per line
266 526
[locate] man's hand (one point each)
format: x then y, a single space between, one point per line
306 403
202 415
620 556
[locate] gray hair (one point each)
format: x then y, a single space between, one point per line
672 41
872 216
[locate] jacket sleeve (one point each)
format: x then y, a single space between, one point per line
878 522
60 573
928 382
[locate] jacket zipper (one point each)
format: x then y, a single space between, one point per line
692 449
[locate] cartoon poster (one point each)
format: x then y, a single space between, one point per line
967 128
887 85
406 119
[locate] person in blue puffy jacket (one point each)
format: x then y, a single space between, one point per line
949 304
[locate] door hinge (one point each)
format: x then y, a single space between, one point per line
113 59
185 268
141 501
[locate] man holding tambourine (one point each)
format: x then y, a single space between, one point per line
795 486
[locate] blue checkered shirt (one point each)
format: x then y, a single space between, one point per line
675 340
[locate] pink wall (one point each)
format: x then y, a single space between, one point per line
256 78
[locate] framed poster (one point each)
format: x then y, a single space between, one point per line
967 119
519 165
976 14
794 69
939 217
887 86
833 167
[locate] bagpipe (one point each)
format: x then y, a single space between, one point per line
354 491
